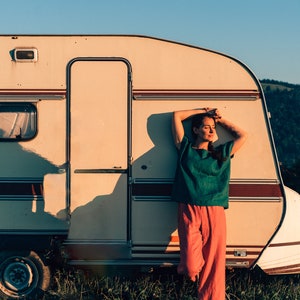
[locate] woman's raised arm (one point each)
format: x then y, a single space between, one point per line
239 135
178 118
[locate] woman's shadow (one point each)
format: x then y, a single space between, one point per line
140 219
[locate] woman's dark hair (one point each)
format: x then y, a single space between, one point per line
197 121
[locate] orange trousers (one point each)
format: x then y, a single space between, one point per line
202 235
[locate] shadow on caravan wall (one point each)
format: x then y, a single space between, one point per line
107 227
154 215
163 153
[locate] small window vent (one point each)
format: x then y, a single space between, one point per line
25 55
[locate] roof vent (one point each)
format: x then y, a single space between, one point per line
25 54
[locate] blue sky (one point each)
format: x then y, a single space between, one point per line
263 34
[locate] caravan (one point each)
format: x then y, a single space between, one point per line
87 156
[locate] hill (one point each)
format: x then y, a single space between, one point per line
283 102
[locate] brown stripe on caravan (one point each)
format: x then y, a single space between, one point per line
235 190
150 189
32 95
195 94
255 190
290 269
28 92
21 189
285 244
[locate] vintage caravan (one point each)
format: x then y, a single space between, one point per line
87 158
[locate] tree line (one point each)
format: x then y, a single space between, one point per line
283 102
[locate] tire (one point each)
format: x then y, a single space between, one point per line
22 275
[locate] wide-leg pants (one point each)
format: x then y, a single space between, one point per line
202 235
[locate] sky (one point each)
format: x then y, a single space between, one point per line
263 34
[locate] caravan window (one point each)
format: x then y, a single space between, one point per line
17 121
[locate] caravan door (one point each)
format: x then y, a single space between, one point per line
98 154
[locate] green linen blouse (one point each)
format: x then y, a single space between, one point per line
201 179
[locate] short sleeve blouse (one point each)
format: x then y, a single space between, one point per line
200 178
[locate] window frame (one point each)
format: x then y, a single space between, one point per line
21 107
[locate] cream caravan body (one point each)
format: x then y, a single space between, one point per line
87 156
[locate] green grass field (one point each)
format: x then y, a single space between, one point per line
166 284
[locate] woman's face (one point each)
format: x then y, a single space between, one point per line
207 131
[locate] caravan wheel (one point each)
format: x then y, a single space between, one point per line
22 275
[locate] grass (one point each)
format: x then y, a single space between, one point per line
76 284
256 285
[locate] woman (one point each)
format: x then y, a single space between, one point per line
201 190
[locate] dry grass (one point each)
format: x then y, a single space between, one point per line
75 284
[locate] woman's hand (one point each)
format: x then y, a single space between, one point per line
214 112
218 115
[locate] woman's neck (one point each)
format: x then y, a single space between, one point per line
200 145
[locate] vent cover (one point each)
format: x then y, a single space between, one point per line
25 54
